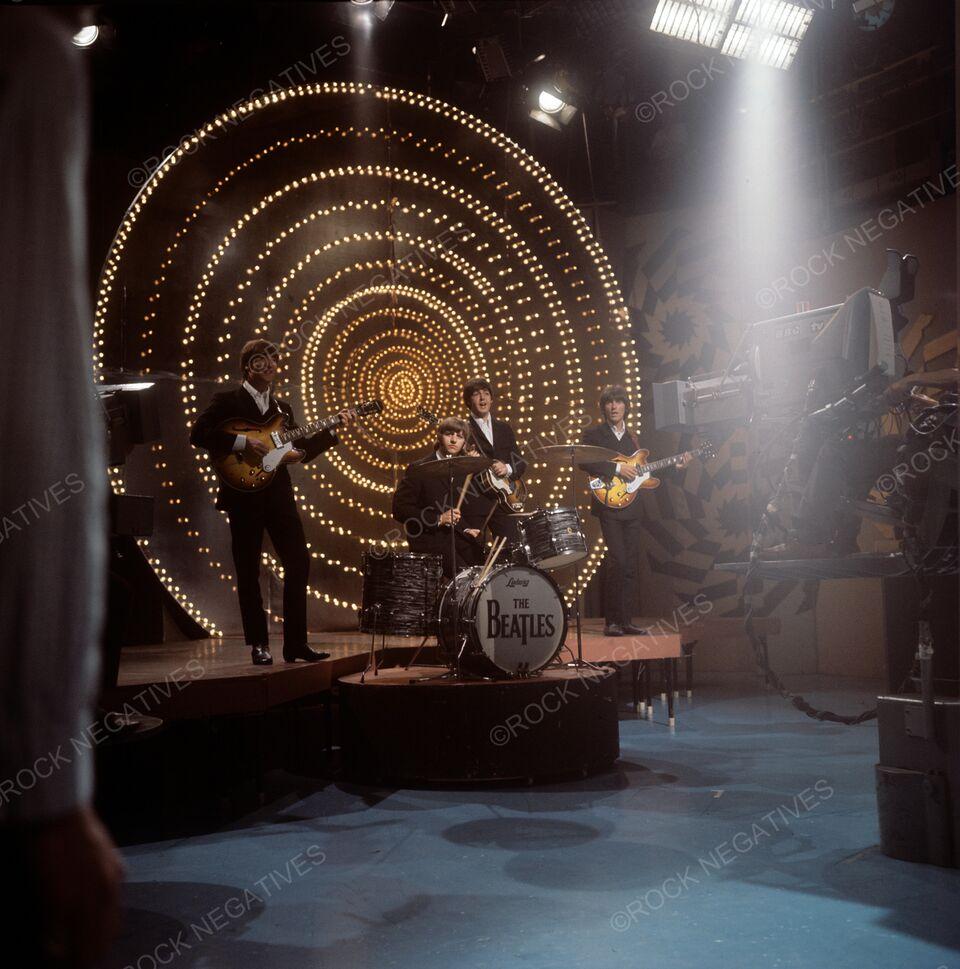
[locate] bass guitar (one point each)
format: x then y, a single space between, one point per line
617 492
248 471
510 494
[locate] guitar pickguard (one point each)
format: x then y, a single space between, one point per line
636 484
272 460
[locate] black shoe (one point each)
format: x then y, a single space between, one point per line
630 630
303 652
612 629
261 656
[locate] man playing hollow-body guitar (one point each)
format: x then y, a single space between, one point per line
272 509
620 526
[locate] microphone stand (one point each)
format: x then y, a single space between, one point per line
576 573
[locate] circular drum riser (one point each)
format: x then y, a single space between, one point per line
554 538
559 722
406 586
514 622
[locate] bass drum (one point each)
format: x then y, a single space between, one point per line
514 622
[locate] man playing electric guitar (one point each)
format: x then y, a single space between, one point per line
494 439
620 526
272 508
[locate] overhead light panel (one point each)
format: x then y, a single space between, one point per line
768 31
698 21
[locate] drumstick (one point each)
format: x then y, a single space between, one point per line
497 549
486 561
496 555
463 491
486 520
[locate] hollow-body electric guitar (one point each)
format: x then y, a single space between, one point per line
247 471
510 494
617 492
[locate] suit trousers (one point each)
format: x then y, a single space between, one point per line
621 578
276 513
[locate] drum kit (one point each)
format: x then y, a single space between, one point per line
500 620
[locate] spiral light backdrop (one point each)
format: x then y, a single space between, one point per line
393 246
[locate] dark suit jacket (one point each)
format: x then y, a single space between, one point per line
602 435
418 503
237 403
504 447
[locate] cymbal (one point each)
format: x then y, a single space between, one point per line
564 453
460 465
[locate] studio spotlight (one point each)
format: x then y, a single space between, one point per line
379 8
550 103
550 106
86 36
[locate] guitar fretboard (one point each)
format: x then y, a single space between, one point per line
662 463
308 430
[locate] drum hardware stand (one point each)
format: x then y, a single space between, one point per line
423 642
372 665
453 566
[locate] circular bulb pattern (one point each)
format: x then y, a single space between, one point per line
393 246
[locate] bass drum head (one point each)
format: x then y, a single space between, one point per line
519 621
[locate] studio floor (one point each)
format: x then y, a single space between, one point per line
747 838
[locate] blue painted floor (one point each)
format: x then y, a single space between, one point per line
748 838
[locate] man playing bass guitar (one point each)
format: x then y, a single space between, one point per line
494 439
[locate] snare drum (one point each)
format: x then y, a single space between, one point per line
554 538
400 591
514 622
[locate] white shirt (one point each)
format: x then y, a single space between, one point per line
618 430
262 399
486 425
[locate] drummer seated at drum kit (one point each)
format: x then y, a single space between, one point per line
422 504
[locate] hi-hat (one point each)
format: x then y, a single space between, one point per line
442 467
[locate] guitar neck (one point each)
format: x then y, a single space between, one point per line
308 430
662 463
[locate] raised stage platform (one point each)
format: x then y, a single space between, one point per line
214 677
421 726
